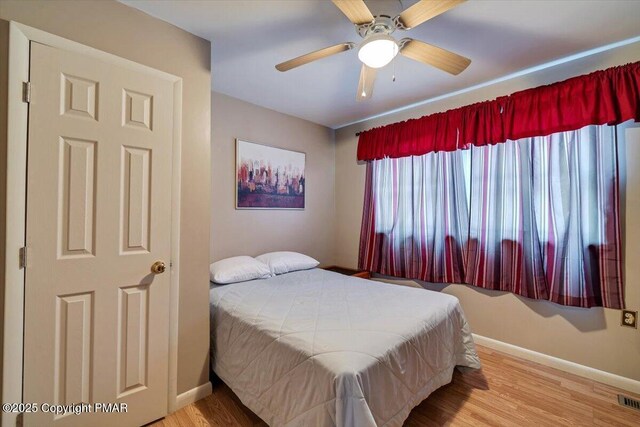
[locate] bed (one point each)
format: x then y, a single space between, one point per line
317 348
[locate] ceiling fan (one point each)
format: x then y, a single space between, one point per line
378 47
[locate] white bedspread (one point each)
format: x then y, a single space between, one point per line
316 348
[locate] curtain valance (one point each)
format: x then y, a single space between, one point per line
609 96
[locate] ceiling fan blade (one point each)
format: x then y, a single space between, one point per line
356 10
365 85
314 56
425 10
436 56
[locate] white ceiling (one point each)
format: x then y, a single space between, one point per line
501 37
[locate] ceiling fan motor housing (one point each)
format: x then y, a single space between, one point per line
381 24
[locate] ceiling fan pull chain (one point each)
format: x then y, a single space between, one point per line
393 78
364 84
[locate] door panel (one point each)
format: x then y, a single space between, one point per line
133 324
79 97
98 216
74 327
77 191
136 163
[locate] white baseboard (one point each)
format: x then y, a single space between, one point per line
563 365
193 395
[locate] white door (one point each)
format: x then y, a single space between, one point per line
98 218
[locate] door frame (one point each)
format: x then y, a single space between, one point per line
20 37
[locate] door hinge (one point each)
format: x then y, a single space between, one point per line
26 92
23 257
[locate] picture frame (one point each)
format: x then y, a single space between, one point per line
269 177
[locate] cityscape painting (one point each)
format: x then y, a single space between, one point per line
269 177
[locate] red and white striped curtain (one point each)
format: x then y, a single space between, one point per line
577 209
415 218
538 217
504 248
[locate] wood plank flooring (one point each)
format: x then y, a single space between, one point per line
508 391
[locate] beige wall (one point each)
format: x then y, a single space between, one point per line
252 232
118 29
591 337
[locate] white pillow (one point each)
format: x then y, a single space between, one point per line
285 262
238 269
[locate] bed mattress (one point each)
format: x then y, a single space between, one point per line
317 348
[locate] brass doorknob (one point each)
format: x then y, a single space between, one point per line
158 267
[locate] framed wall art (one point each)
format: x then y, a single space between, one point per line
269 177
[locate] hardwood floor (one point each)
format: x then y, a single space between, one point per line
507 392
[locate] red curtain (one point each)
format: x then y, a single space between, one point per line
610 96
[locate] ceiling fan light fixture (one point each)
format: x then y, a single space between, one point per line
377 50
